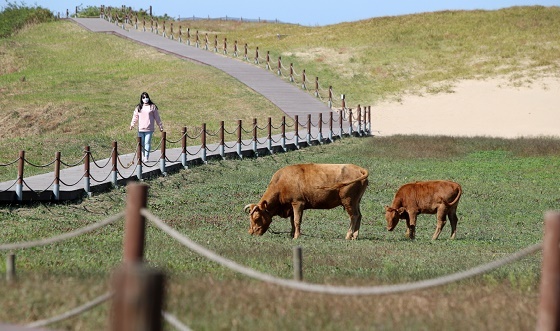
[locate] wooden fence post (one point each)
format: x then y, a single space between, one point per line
162 157
284 133
138 300
19 182
203 138
296 129
331 126
549 308
222 140
320 124
298 269
135 223
114 160
269 137
56 185
184 147
317 87
87 186
139 153
255 137
11 267
239 134
303 79
309 125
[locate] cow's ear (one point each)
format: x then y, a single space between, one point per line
387 208
401 210
264 205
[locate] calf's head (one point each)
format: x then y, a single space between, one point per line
260 218
393 215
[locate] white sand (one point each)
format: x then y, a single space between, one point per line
476 108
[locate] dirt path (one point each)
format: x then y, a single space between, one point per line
476 108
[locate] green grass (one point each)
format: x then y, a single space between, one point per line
507 188
75 95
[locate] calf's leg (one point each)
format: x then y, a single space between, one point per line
298 214
441 219
355 221
411 224
453 219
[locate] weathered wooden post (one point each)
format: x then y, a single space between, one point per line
216 43
331 126
206 41
369 120
549 308
283 141
255 137
184 147
87 177
267 60
298 268
239 134
162 157
138 299
11 267
308 136
320 124
222 140
341 120
225 46
235 50
330 97
139 148
269 136
291 72
279 66
359 115
19 182
317 87
56 185
114 160
245 56
350 124
257 55
197 40
296 128
303 80
203 146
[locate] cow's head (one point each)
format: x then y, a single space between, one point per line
260 218
393 215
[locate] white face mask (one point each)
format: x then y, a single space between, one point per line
146 100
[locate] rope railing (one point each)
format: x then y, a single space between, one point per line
256 133
330 289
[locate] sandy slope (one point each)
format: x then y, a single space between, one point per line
476 108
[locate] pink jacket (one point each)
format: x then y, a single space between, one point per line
146 118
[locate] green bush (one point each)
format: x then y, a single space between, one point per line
14 17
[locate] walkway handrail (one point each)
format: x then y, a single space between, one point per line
330 289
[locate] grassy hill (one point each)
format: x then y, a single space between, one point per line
75 94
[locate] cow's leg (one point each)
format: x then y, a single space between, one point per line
293 226
453 219
441 219
298 213
355 222
411 224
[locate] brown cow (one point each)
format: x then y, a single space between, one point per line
439 197
298 187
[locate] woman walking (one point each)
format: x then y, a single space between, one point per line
146 114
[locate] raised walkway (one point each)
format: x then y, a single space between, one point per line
289 98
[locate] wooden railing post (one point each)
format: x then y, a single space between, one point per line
246 57
284 133
269 137
279 66
197 40
309 125
225 45
350 124
114 160
19 182
87 178
139 153
11 267
320 124
331 126
359 115
303 79
184 147
298 264
255 150
56 185
235 50
216 43
239 134
257 55
135 223
203 137
317 87
296 129
162 157
138 299
291 72
369 120
341 120
267 60
222 140
549 308
330 97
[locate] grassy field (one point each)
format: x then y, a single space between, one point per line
508 184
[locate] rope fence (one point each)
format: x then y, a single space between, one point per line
148 279
263 138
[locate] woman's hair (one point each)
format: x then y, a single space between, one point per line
141 103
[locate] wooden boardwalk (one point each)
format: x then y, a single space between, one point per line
289 98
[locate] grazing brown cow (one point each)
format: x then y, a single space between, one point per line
439 197
298 187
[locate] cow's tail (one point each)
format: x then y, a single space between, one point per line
364 175
456 198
